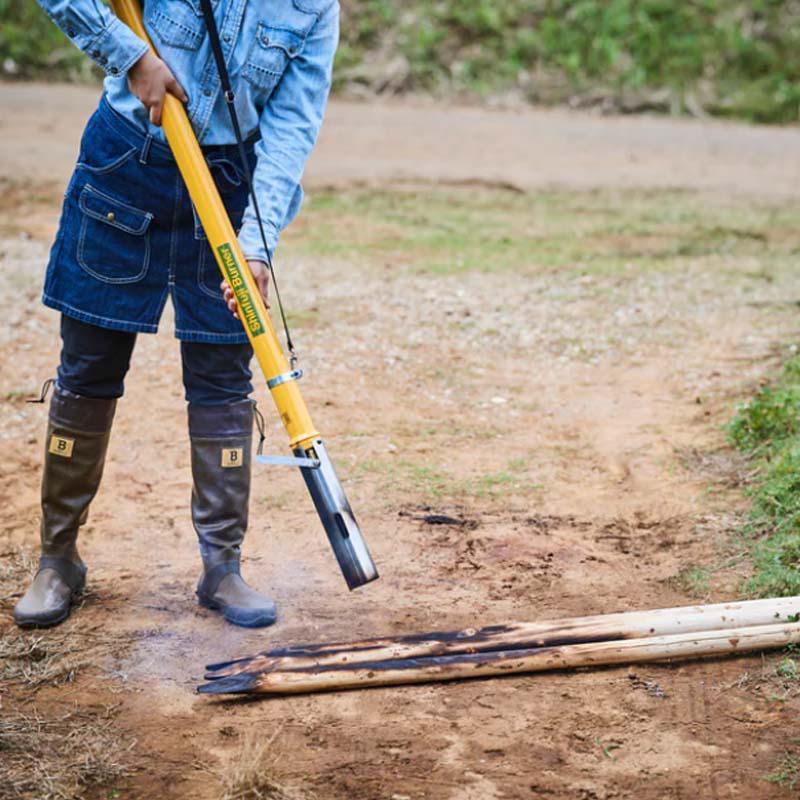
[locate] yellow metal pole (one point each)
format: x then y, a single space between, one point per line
227 252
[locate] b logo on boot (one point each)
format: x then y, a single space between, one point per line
61 446
232 456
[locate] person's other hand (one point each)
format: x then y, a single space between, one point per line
261 274
150 79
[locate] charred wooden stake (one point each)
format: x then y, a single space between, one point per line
519 636
476 665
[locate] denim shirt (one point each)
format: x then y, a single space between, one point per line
279 55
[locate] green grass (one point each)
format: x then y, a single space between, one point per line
434 482
729 57
695 580
787 772
449 231
767 429
787 669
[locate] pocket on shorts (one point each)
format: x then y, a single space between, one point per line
209 276
105 164
114 238
102 152
270 54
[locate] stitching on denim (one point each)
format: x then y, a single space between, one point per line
199 231
214 338
261 76
58 246
317 12
104 278
118 162
88 189
144 153
259 71
191 38
201 270
163 301
94 44
173 236
261 31
258 78
126 129
134 327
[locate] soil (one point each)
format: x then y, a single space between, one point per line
606 395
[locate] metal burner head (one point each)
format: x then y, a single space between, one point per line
337 516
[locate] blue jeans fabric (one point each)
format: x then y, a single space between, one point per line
129 237
94 362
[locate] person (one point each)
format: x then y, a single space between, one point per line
129 238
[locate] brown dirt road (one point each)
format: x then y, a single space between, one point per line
603 397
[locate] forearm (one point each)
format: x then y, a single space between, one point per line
279 196
289 127
92 27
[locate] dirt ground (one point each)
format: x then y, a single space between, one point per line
571 425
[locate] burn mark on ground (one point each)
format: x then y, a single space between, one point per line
428 515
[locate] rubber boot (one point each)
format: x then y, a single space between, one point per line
221 438
78 431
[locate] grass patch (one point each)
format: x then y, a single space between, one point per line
61 757
767 429
435 483
33 660
695 580
787 772
40 660
725 57
251 773
452 231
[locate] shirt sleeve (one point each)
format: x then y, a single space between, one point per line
94 29
289 126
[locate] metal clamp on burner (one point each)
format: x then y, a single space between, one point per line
284 377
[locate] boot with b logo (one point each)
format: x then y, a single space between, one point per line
75 451
221 438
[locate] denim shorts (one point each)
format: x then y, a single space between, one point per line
129 236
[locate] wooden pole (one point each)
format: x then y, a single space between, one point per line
480 665
516 636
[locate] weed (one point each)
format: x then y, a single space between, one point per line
787 669
787 772
728 58
695 580
607 748
771 418
434 482
768 430
251 773
37 661
446 232
60 757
